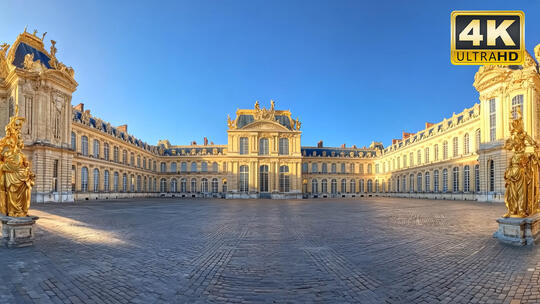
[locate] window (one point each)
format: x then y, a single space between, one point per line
426 155
343 186
96 180
466 182
139 183
145 189
314 186
436 152
477 144
173 169
324 168
436 181
445 180
263 178
183 167
55 176
333 186
224 186
124 182
466 143
404 161
283 146
193 186
214 185
517 102
84 145
491 166
351 168
352 186
455 174
343 170
215 167
284 185
162 185
132 183
361 169
204 167
115 182
243 145
492 120
139 161
193 167
419 182
333 168
403 183
304 168
106 181
73 141
106 151
243 180
361 185
377 186
411 183
369 186
427 184
369 169
324 186
144 162
132 159
477 178
115 151
377 168
418 157
445 150
183 185
314 168
163 167
124 157
204 185
84 179
263 146
455 147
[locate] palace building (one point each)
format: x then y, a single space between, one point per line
76 155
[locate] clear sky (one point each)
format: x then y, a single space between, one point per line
352 71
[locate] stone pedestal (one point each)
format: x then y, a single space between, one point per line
18 231
519 231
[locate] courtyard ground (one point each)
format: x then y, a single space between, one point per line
377 250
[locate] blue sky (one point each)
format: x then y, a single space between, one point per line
352 71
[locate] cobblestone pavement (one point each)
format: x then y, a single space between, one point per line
380 250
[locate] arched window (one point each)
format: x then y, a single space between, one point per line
324 168
314 168
204 167
403 183
362 186
243 145
477 144
183 185
193 167
193 186
263 178
214 185
284 184
517 102
124 182
173 167
353 186
477 178
411 183
466 143
115 182
427 183
333 186
224 185
115 151
314 186
84 179
369 186
343 186
445 180
204 185
419 182
333 168
155 182
163 185
145 189
263 146
377 185
73 141
243 180
445 149
492 120
283 146
106 181
163 167
324 186
455 173
183 167
106 151
455 147
436 181
466 178
174 183
96 180
139 183
84 145
491 166
215 167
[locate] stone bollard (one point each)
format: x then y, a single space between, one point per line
18 231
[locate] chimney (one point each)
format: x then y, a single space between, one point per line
406 135
320 144
211 143
122 128
193 143
79 107
429 124
354 147
206 141
343 146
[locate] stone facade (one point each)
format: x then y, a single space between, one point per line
77 156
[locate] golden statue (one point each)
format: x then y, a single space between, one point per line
521 175
16 177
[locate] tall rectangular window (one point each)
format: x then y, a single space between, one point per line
426 155
517 102
283 146
263 146
243 145
492 120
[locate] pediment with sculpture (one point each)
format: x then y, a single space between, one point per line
263 118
